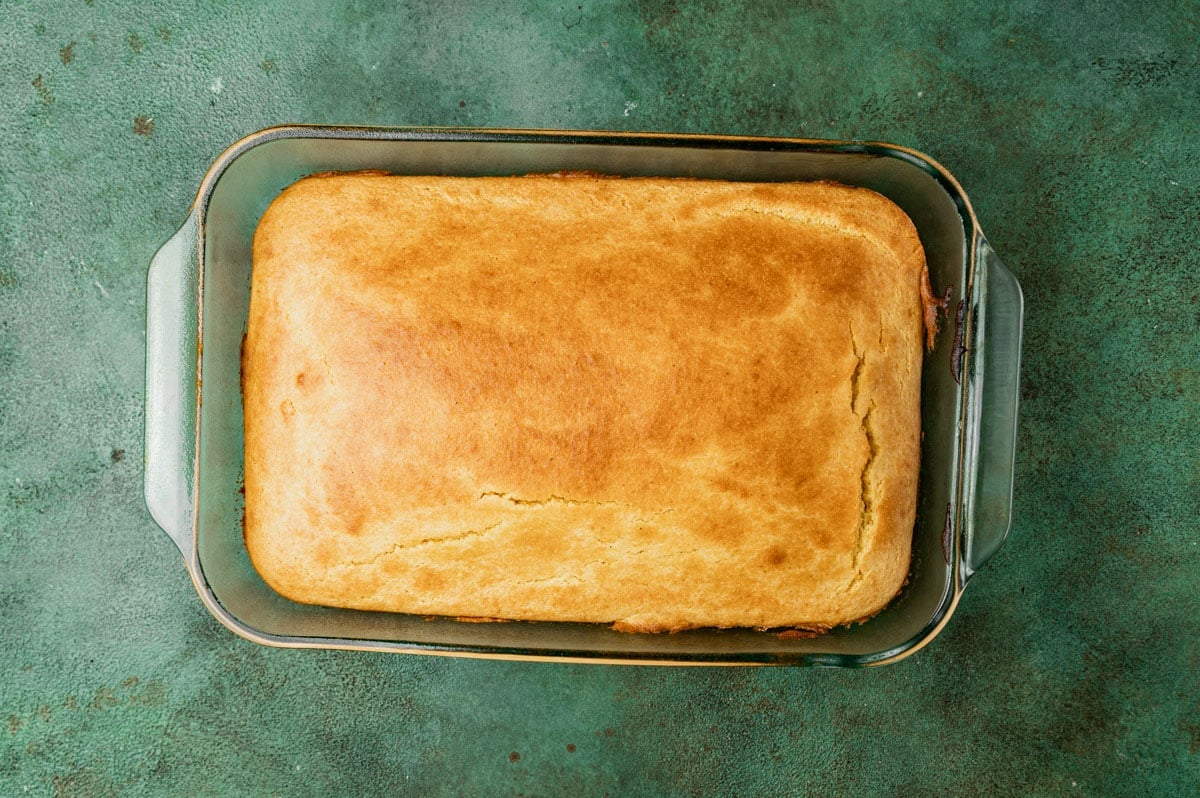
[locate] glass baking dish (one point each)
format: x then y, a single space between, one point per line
198 294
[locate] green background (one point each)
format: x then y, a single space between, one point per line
1072 666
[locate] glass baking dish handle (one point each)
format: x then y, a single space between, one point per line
171 324
995 377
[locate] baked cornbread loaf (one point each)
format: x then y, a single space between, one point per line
653 403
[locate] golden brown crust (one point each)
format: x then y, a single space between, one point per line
653 403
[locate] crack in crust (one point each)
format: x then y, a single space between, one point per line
855 378
399 547
569 502
866 491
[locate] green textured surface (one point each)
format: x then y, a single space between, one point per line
1073 663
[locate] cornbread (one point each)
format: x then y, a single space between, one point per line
652 403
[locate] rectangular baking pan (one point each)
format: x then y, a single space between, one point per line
198 294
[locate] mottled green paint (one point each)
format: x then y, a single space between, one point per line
1073 663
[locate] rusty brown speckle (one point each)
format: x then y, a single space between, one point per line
242 370
1193 732
153 694
514 757
956 353
67 53
43 93
948 535
570 748
143 125
117 455
798 634
103 699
